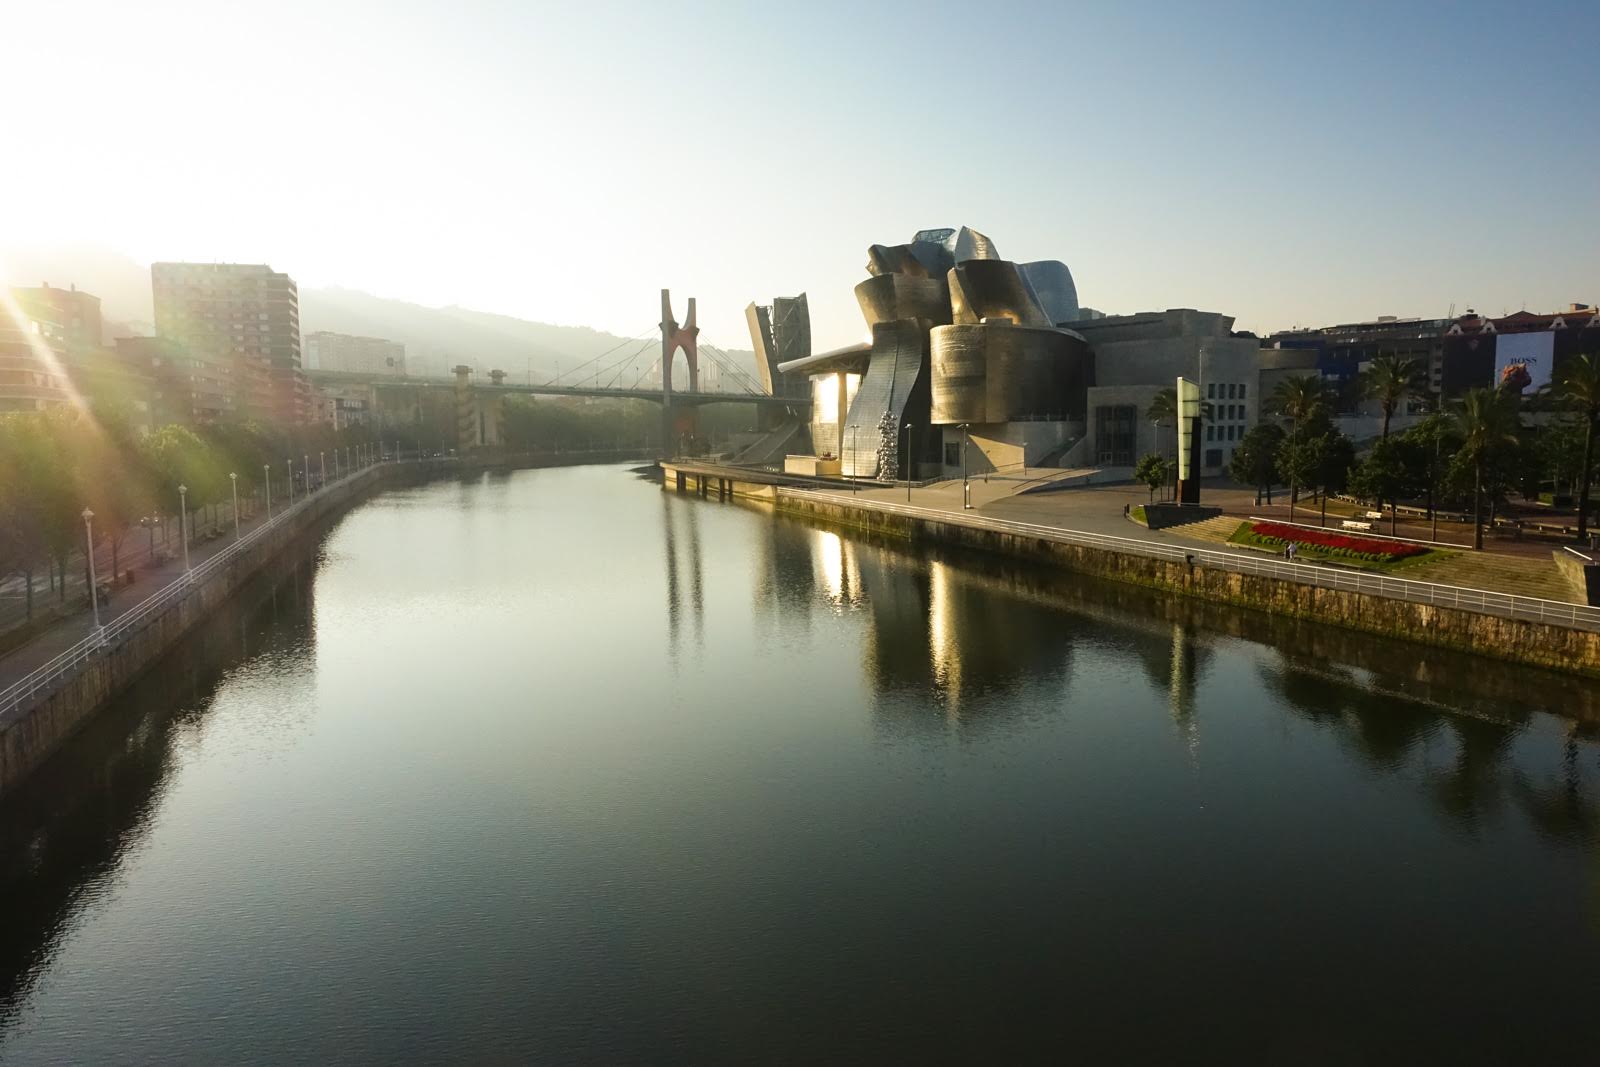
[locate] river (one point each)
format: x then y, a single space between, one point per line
556 766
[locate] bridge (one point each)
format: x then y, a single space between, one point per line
629 376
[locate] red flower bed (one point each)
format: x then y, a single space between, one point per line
1364 546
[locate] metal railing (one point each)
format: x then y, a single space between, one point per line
43 679
1483 601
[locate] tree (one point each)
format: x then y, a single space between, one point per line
1432 444
1303 400
1152 471
1300 400
1391 380
1300 461
1333 469
1255 460
1488 424
1579 390
1385 473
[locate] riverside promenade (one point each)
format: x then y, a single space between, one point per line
1560 635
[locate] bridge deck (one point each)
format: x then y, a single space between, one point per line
547 389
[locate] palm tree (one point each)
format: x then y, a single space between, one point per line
1391 380
1487 420
1299 399
1580 389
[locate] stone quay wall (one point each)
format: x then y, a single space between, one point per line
1559 648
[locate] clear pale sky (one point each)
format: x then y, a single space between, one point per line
1286 163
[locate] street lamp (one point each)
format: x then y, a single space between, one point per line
853 430
966 486
290 464
149 525
234 478
266 479
94 592
307 469
183 528
907 429
322 458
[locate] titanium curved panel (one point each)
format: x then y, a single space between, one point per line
968 244
902 296
1053 288
997 372
871 444
759 319
993 288
959 362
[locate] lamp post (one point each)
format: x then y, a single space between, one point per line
907 429
183 528
322 458
853 482
234 478
966 486
336 474
266 479
289 463
307 468
94 592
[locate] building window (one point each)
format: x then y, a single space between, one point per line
1116 428
1241 391
1213 457
1211 391
952 454
1211 432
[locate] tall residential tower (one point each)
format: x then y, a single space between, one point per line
247 315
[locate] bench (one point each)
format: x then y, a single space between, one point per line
1356 524
1374 514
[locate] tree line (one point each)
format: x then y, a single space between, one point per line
56 464
1473 453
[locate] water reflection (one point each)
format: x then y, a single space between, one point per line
971 632
65 832
538 810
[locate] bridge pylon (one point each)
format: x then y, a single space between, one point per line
679 425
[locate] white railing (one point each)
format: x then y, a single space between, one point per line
1504 605
43 679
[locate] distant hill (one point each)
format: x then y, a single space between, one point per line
435 338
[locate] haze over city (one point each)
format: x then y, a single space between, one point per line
1289 164
799 533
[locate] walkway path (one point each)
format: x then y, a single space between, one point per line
1523 568
152 578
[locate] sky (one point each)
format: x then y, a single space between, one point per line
1289 164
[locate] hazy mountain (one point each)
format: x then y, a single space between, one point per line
435 338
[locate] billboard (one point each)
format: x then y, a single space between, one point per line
1534 352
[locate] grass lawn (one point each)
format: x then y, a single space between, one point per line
1138 515
1244 537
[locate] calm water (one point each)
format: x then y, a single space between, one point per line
557 766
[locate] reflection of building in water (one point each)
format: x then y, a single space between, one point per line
967 638
676 579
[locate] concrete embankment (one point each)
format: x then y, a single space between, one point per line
1555 647
30 732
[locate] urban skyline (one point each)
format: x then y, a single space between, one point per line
1225 172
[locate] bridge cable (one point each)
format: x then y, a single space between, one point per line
607 352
